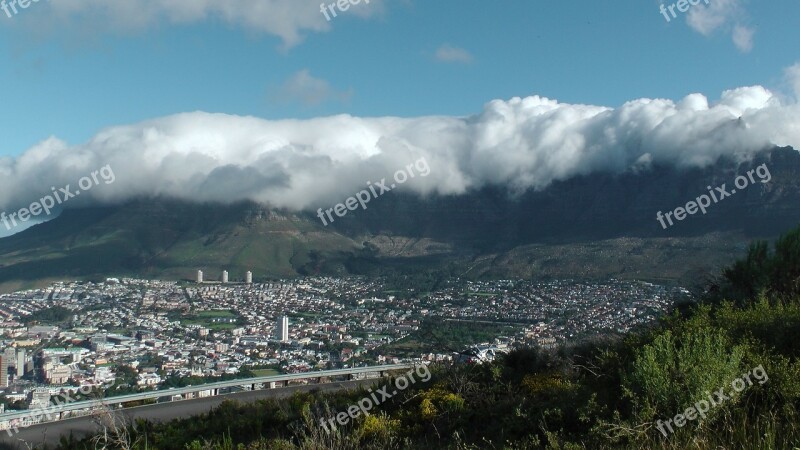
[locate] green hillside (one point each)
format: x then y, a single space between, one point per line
165 239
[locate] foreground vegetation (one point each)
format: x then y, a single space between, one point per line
603 394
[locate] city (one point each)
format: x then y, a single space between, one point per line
134 335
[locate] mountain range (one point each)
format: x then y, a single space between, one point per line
597 225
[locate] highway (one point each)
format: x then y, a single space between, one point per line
217 387
49 433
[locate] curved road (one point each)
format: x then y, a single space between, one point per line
49 433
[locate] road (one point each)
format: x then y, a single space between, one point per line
49 433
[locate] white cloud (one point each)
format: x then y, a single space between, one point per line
723 15
792 75
521 143
449 54
289 20
308 90
743 38
706 19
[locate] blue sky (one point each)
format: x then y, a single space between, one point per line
395 58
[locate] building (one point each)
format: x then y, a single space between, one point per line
59 374
199 276
282 332
103 375
221 347
3 370
21 357
248 277
39 398
224 276
10 354
57 353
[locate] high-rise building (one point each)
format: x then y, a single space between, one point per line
282 332
199 276
248 277
224 276
3 370
21 357
11 354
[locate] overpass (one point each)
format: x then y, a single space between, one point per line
25 418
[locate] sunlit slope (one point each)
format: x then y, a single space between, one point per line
165 238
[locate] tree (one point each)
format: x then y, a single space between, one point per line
775 273
748 276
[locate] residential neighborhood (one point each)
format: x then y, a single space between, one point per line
130 335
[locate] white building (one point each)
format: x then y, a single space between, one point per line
248 277
224 276
21 359
59 374
39 398
199 276
103 374
282 332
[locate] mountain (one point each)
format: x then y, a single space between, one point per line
164 238
596 225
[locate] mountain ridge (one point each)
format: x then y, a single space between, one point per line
485 233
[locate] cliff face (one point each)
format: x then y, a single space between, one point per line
601 206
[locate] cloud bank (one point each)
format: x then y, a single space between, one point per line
521 143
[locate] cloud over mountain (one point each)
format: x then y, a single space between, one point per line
521 143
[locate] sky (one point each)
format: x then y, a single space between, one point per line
268 100
282 59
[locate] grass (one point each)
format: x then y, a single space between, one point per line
221 326
216 314
205 319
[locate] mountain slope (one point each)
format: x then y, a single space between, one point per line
164 238
598 225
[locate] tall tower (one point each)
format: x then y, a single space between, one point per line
248 277
282 332
21 356
199 276
224 276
